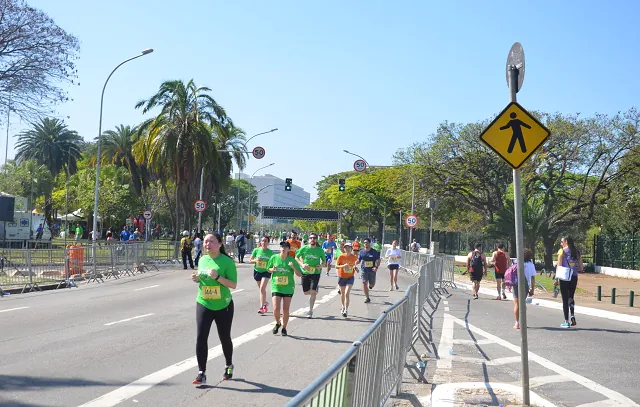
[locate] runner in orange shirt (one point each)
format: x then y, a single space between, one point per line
294 244
346 268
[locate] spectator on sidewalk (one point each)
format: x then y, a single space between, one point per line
185 249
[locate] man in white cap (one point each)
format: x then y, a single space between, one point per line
185 248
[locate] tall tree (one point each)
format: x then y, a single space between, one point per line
36 58
117 149
182 136
52 144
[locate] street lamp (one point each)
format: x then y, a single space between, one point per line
96 192
246 152
359 156
254 173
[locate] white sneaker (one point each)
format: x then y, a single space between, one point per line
310 314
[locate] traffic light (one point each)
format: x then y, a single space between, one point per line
341 185
287 186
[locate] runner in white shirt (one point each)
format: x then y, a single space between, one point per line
530 275
393 256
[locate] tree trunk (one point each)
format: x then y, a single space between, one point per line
177 230
163 184
548 242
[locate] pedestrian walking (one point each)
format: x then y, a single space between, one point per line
569 264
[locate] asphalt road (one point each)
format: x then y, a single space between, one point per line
132 342
592 364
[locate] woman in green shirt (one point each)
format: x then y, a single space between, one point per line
216 277
260 257
282 268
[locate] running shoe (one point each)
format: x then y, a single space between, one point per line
498 298
564 325
516 325
201 379
276 328
391 288
228 372
397 288
344 313
338 291
284 331
573 320
261 310
310 314
266 307
367 300
504 296
327 274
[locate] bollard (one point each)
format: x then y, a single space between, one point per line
631 294
613 295
599 293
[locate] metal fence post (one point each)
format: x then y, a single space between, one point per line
379 364
29 269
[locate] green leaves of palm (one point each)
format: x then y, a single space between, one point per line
117 149
50 143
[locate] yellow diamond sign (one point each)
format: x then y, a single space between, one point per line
515 135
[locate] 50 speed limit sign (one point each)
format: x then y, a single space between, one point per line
360 165
411 221
200 205
258 152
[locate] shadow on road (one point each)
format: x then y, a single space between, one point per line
305 338
26 383
341 318
615 331
16 403
262 388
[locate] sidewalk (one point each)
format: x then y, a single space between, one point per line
586 294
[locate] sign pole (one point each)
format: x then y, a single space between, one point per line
201 188
522 293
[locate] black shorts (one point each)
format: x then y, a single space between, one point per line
281 295
258 276
499 276
476 275
393 266
310 282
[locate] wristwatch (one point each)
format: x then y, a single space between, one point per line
217 277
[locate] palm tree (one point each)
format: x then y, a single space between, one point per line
117 149
52 144
181 136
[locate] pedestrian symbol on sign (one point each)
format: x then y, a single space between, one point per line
516 125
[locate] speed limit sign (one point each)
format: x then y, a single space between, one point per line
200 205
258 152
147 215
411 221
360 165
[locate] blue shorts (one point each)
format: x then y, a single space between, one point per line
342 282
258 276
329 258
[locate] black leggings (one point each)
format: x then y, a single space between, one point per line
568 289
204 319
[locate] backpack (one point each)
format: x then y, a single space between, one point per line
501 262
511 276
476 262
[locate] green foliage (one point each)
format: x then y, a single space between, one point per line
229 201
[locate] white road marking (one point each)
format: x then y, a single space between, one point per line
593 312
444 395
601 403
446 302
12 309
472 343
145 288
128 319
542 380
589 384
492 362
446 308
121 394
444 357
237 291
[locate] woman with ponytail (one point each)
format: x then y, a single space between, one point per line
569 256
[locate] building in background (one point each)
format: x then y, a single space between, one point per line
274 194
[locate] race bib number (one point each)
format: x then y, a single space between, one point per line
394 258
327 250
261 264
211 292
348 269
368 264
282 280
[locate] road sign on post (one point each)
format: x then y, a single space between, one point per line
258 152
411 221
515 135
200 205
360 165
147 215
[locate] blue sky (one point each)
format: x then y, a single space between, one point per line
367 76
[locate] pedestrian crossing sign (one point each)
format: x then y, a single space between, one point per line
515 135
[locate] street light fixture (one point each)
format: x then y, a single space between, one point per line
384 216
356 155
96 191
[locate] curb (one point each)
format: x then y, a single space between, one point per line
444 395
